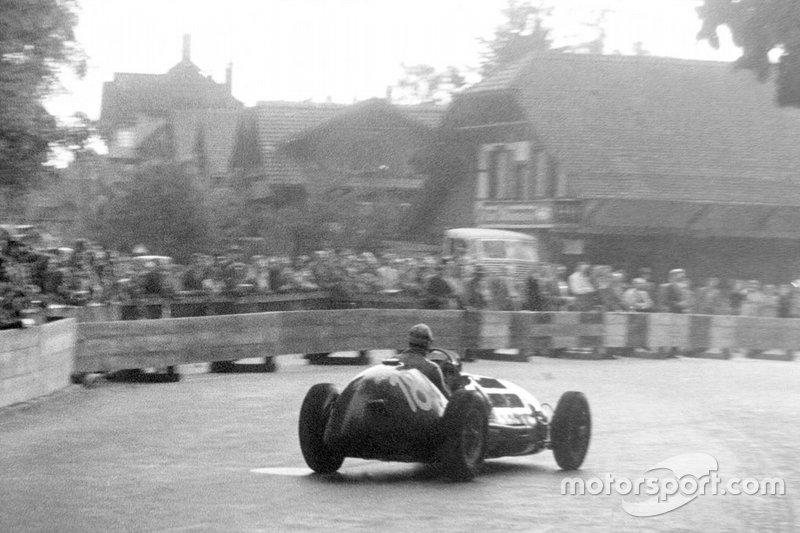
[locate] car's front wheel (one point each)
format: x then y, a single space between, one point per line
571 430
314 415
466 423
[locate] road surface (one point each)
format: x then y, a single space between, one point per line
219 452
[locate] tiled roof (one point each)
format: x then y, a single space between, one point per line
278 122
217 127
658 128
428 114
281 122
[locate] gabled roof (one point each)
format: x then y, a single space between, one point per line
279 123
213 130
656 128
182 88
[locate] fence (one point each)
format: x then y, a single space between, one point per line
38 360
147 343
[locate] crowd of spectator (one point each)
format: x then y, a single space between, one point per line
87 272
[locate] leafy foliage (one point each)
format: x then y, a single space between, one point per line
523 32
335 220
36 41
759 27
424 84
162 209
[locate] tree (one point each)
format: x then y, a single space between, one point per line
424 84
523 32
759 27
162 209
37 42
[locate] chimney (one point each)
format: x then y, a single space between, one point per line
187 48
229 78
389 94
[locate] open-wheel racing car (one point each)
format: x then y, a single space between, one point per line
394 413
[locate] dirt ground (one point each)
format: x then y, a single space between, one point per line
219 452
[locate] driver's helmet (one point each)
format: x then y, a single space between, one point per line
420 335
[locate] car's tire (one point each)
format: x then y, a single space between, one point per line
221 367
466 427
270 365
314 416
571 430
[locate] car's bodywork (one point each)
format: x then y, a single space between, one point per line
394 413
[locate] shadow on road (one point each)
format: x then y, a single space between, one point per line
385 473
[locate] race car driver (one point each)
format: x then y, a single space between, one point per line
420 338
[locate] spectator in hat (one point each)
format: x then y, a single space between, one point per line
673 296
637 298
478 294
710 298
534 297
581 287
439 294
505 294
752 299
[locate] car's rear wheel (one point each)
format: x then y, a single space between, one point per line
314 416
571 430
466 423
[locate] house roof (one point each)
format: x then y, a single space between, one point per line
182 88
279 123
656 128
215 128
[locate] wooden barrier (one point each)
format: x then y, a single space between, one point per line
36 361
712 336
104 347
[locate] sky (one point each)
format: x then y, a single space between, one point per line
340 50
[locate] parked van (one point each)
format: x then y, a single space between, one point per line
494 250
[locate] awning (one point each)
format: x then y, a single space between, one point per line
698 219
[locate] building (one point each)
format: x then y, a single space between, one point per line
288 152
180 116
626 160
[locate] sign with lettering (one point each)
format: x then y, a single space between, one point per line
534 214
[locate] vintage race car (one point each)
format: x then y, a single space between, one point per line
394 413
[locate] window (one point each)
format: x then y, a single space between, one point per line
518 181
524 251
533 176
494 249
506 175
551 185
455 247
126 138
494 157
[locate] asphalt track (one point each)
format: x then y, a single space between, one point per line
219 453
